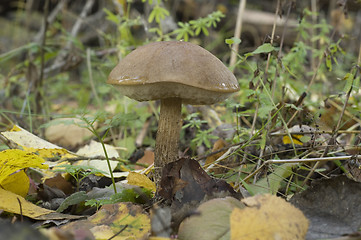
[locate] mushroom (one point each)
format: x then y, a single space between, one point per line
173 72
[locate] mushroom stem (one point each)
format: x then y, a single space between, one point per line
167 140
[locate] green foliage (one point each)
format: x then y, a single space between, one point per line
196 27
352 79
78 172
184 31
193 121
73 199
158 13
136 195
202 136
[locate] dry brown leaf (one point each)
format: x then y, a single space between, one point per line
67 135
268 217
219 144
147 159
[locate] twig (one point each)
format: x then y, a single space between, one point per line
237 33
21 210
39 83
50 19
321 159
224 156
315 132
74 31
120 231
314 22
347 113
273 34
143 132
88 63
319 64
297 104
274 84
359 56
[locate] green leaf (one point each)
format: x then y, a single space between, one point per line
349 81
356 84
157 13
272 183
263 140
233 40
305 138
264 48
329 62
111 16
73 199
151 16
184 31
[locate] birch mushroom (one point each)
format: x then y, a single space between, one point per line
173 72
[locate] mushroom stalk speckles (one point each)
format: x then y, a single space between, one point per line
169 126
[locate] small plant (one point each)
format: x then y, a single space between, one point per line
136 195
201 136
196 27
78 172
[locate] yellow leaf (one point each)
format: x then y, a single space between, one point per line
17 183
141 180
159 238
24 138
10 203
112 218
295 138
33 144
12 160
48 152
120 221
15 129
267 217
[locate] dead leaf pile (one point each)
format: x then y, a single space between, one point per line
259 217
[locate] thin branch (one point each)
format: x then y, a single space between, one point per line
39 83
321 159
237 33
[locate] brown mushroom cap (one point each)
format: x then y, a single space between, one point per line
173 69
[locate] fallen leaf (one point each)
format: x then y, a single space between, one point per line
210 221
95 149
219 144
20 231
267 217
260 217
17 183
296 139
332 206
13 160
185 181
117 221
33 144
59 182
272 182
13 203
67 132
140 180
147 159
161 220
26 139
